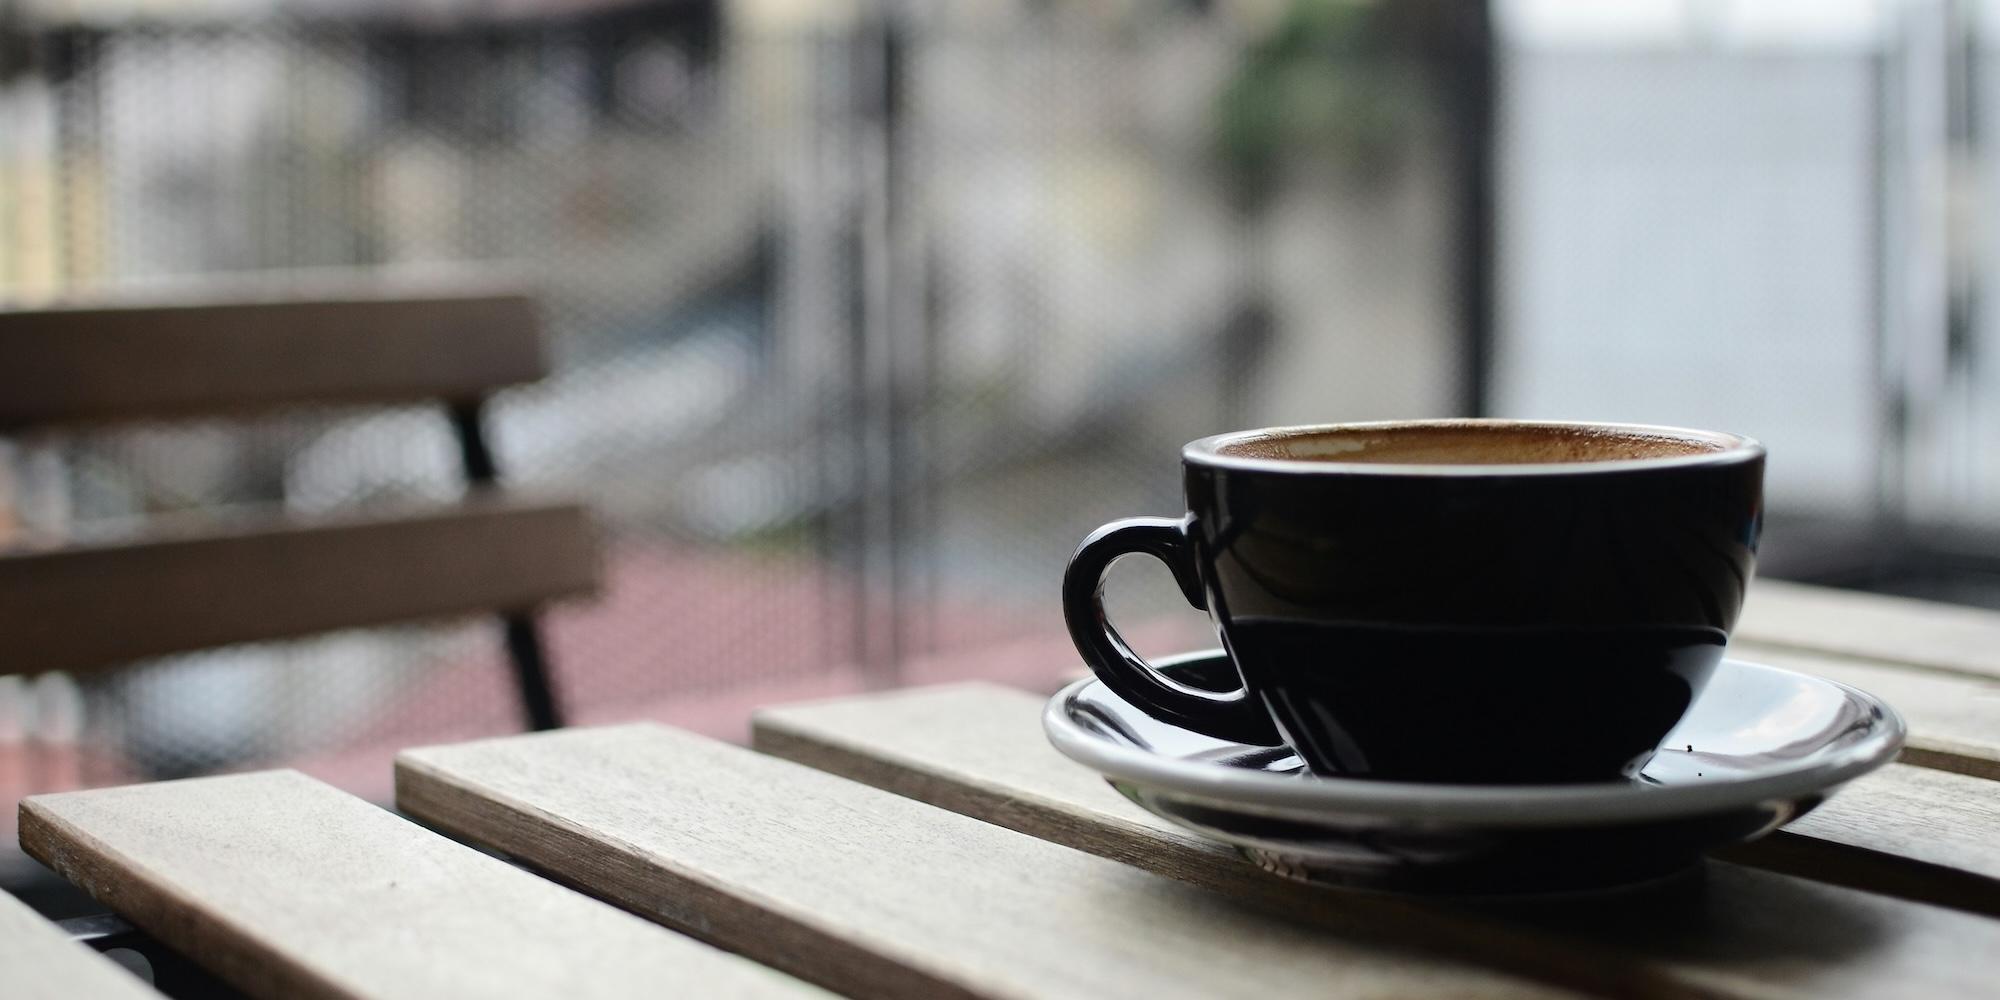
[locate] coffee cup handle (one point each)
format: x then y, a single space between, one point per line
1229 715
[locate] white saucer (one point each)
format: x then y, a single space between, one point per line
1760 747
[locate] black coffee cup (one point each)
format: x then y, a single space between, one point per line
1462 601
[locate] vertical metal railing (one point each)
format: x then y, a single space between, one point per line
1932 260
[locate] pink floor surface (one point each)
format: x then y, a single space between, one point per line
676 638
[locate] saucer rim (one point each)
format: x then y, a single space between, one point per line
1510 805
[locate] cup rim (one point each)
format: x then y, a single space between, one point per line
1207 451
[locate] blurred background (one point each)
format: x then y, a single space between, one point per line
864 313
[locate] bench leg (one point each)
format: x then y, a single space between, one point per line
172 973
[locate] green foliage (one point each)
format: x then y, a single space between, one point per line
1320 87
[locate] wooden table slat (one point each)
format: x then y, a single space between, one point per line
1906 831
979 750
1852 623
285 887
874 894
39 962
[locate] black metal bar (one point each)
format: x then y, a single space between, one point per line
172 973
873 365
520 631
79 110
531 671
468 424
99 930
1962 229
1892 417
1470 65
898 343
856 504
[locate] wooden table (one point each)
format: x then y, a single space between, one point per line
928 843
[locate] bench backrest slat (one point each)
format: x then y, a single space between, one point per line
133 361
89 607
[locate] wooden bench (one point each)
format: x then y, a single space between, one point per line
257 347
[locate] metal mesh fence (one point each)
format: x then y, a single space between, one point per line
859 326
861 323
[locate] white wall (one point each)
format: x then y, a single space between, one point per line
1684 238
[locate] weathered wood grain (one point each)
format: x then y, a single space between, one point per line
1954 720
39 962
93 606
367 342
979 750
1905 831
286 887
1851 623
874 894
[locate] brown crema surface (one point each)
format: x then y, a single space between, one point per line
1472 444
